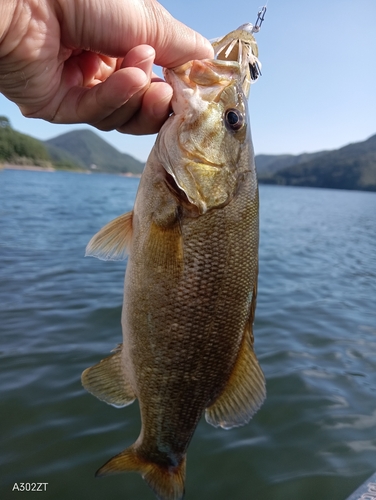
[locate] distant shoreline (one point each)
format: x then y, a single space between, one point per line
8 166
34 168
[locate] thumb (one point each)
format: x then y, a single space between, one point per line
174 42
113 27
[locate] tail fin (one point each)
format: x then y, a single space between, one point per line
167 482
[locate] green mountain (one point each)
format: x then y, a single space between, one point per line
267 165
76 150
89 150
350 167
20 148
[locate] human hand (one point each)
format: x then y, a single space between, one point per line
90 61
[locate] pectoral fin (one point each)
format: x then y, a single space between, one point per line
245 390
165 248
107 381
112 241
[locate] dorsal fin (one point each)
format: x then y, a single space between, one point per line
113 240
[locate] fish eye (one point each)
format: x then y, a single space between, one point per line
234 119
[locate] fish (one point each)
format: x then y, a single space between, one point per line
190 285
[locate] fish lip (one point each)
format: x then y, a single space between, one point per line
183 72
206 74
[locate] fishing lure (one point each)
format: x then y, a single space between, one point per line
240 45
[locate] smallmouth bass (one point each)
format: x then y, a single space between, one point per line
191 279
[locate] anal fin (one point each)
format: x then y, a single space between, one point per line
245 390
107 381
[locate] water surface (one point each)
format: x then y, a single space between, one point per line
315 336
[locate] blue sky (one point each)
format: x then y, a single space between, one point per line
318 89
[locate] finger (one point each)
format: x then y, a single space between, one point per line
93 67
91 105
121 115
144 112
142 57
111 104
153 112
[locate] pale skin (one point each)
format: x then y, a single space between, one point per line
91 61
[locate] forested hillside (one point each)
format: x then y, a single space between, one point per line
21 149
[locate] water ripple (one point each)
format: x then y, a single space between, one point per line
315 337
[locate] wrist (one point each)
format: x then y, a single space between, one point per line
7 10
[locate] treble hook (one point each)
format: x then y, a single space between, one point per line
260 18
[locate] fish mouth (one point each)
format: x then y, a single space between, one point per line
205 72
208 77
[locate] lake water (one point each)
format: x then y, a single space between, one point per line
315 337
